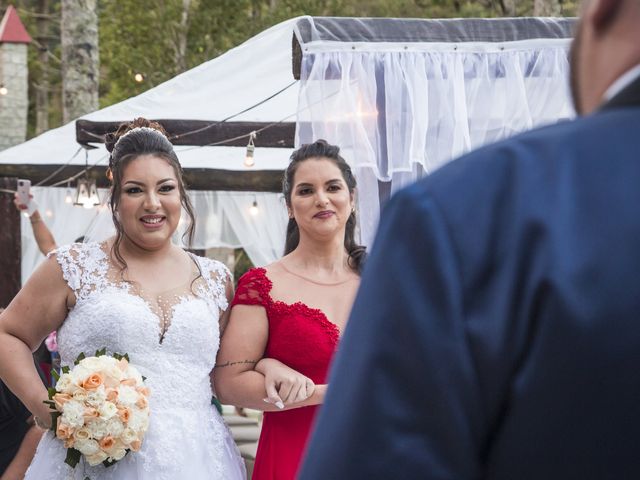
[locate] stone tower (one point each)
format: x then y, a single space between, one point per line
13 79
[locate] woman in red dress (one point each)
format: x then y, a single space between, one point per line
286 319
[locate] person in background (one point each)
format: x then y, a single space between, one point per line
19 436
496 332
287 318
44 238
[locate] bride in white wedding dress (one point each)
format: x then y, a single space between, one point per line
139 294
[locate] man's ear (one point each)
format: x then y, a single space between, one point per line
603 12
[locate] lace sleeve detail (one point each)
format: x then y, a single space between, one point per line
216 275
253 289
83 267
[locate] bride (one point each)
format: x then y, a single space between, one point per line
139 294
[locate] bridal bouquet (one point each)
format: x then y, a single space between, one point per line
100 408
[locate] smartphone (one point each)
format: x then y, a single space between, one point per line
23 191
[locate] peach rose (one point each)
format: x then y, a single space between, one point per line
143 391
63 431
92 382
112 395
69 442
107 442
142 402
90 412
130 382
123 364
135 445
60 399
124 413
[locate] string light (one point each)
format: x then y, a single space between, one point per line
3 90
86 190
48 213
249 161
253 209
68 198
138 77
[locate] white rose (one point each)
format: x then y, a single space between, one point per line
116 453
79 373
107 410
98 428
139 420
82 434
115 427
133 372
87 447
127 395
97 458
91 363
96 397
73 413
112 375
80 395
65 384
128 435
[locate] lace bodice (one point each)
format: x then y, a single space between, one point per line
109 313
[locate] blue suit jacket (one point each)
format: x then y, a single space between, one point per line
496 334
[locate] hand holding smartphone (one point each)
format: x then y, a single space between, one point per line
24 187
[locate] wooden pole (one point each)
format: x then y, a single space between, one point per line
10 248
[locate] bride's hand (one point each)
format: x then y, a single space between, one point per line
284 385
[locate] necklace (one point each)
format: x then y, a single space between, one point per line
324 284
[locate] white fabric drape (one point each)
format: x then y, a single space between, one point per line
399 112
223 219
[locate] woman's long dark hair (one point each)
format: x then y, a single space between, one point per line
141 137
323 149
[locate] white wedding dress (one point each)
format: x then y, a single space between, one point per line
187 438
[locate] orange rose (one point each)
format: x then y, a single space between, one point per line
92 382
63 431
143 390
124 413
142 402
130 382
112 395
135 445
107 442
90 412
60 399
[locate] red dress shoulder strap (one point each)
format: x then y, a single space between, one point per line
253 288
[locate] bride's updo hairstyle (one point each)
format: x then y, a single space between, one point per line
131 140
323 149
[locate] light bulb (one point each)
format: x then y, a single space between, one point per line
138 77
3 90
253 209
248 159
48 213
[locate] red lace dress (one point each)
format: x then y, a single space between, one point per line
305 340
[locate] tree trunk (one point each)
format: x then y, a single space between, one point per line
180 57
546 8
80 61
42 87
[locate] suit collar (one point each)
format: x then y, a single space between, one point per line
627 97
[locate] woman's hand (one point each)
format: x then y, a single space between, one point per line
284 385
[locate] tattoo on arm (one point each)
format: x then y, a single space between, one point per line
242 362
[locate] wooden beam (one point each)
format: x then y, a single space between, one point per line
201 132
195 178
10 258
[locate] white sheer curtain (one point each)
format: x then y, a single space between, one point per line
398 112
223 219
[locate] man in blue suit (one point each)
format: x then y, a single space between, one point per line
496 334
